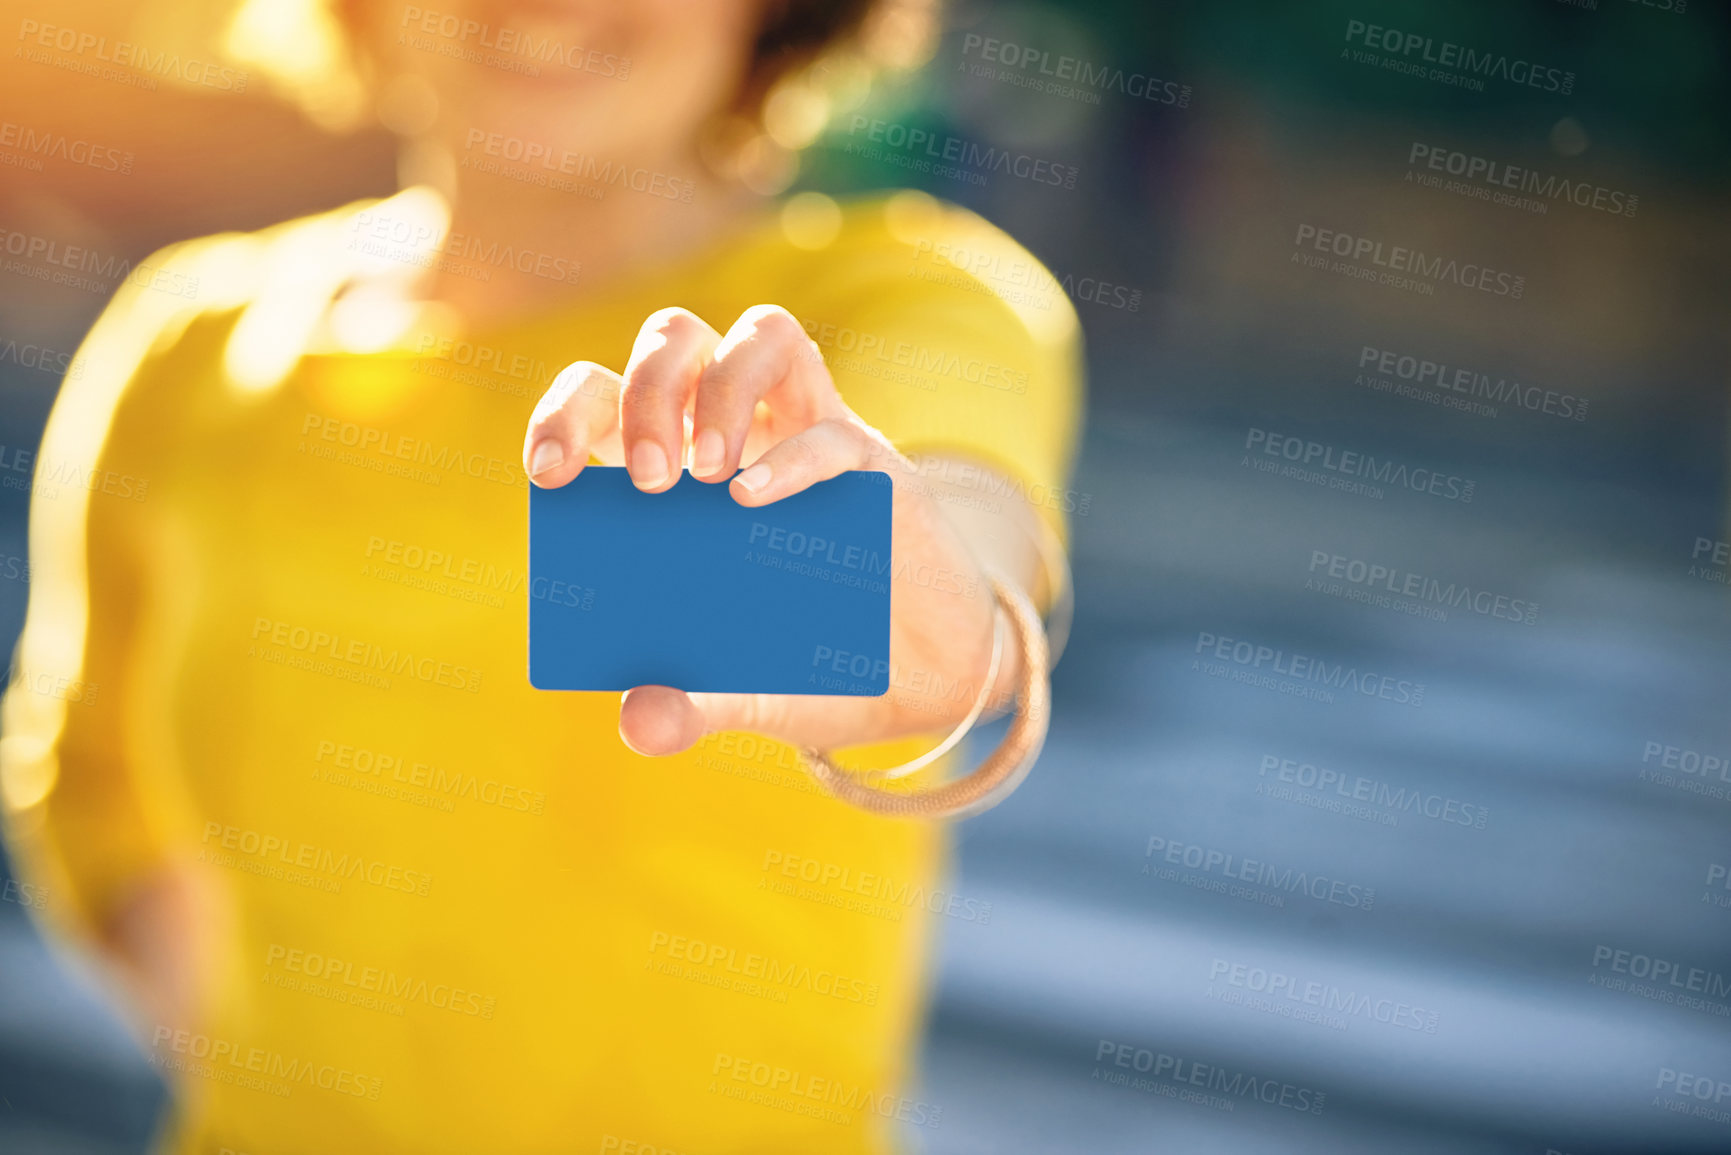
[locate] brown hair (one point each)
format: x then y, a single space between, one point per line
811 59
795 30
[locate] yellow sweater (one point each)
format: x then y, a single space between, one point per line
277 626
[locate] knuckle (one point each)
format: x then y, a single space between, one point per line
584 378
803 454
848 434
638 399
834 429
571 381
673 322
648 386
765 713
774 322
722 386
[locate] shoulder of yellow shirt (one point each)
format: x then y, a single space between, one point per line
279 280
907 252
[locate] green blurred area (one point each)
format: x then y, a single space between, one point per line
1653 85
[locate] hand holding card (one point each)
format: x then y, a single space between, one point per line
760 394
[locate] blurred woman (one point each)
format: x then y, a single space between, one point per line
270 742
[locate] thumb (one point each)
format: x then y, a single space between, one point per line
659 720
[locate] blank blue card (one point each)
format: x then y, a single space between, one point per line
690 589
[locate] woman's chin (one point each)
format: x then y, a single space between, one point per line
492 123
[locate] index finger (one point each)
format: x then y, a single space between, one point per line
578 411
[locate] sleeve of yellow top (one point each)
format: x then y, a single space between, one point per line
77 821
959 368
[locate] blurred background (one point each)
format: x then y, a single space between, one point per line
1495 868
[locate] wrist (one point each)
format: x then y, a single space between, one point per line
1003 769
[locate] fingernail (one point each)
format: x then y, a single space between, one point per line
754 478
648 465
548 453
707 451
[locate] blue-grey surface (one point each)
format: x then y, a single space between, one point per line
1487 936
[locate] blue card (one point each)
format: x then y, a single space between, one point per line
690 589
